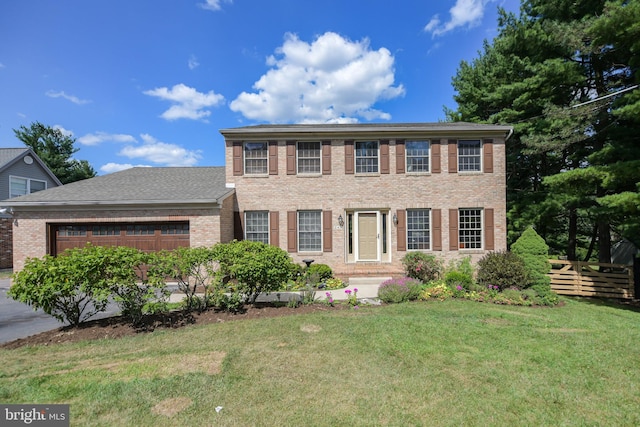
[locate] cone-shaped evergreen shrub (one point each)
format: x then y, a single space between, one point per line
535 253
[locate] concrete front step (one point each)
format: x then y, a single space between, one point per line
361 281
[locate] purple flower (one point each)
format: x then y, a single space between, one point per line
347 291
459 287
355 290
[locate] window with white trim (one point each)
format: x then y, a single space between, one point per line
255 158
256 226
470 228
309 231
418 229
469 155
417 154
367 156
309 157
19 186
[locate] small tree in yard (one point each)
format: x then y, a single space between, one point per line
255 266
421 266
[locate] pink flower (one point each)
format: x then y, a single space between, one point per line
355 290
347 291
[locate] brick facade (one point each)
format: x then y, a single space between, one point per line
391 191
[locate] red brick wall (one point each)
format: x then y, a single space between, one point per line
6 242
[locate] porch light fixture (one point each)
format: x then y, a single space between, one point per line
395 219
341 221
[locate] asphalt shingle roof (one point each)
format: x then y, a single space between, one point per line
138 185
9 154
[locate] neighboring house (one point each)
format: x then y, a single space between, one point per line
21 172
357 197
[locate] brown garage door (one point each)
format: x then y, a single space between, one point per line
148 237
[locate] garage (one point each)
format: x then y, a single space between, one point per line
147 237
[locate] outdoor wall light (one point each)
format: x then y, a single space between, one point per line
395 219
341 221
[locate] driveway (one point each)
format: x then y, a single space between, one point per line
18 320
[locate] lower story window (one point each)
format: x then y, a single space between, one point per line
140 230
418 235
309 231
174 229
72 230
470 228
257 226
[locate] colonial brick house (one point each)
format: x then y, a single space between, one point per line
357 197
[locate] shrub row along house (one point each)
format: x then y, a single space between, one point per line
354 196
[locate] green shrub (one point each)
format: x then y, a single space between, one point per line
503 269
193 269
399 290
321 272
535 253
422 267
72 287
334 283
453 279
544 295
254 266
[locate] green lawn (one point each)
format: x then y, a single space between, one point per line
429 363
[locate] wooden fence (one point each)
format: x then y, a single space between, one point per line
592 279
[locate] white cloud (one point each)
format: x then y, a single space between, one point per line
117 167
188 103
61 94
1 65
465 13
64 131
161 153
331 80
193 62
214 5
100 137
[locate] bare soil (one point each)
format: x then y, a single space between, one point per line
118 327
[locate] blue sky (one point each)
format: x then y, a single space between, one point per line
150 83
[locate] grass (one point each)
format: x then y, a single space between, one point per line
437 363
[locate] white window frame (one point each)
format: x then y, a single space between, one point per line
302 247
300 157
358 168
409 156
410 246
247 159
462 155
28 182
253 234
471 238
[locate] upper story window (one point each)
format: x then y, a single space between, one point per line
418 231
470 228
255 158
417 153
469 155
256 225
367 156
19 186
309 157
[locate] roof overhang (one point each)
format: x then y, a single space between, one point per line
360 131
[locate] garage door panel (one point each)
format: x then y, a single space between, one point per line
147 237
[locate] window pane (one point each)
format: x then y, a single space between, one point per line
174 229
469 156
417 153
72 230
36 185
105 230
366 156
309 231
141 229
308 157
255 157
257 226
418 236
470 228
18 187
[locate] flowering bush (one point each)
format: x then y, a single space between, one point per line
329 299
352 297
421 266
399 290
